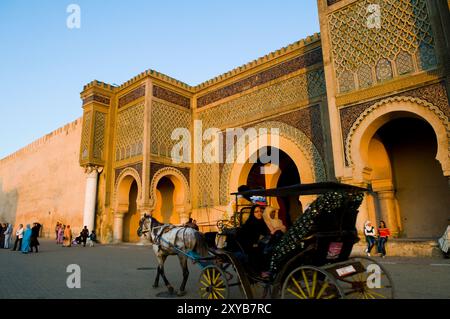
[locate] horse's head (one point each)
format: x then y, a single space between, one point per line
145 225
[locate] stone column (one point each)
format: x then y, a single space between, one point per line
90 196
180 210
118 227
386 199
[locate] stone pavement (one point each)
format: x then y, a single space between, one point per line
128 271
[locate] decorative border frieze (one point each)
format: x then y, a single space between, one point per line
300 62
172 97
96 98
133 95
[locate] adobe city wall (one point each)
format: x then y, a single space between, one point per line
43 182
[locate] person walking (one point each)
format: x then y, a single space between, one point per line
57 228
59 239
383 235
84 235
67 237
8 233
34 243
369 232
19 237
26 240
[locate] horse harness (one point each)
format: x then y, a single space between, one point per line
165 229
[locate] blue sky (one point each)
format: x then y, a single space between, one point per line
44 65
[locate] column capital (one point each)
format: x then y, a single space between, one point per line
119 214
89 169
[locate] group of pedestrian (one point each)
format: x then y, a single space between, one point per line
379 237
64 236
26 238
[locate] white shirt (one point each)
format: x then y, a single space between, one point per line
19 233
369 231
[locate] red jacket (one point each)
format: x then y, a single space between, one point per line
384 232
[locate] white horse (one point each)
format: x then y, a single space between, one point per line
169 240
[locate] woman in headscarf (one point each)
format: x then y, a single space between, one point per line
250 234
67 237
26 240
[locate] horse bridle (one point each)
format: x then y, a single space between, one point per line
151 229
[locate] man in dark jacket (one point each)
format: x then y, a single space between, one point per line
34 236
84 235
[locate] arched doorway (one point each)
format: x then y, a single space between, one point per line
170 196
286 175
126 197
165 207
408 178
131 217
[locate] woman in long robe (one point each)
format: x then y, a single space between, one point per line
8 233
26 240
67 237
61 229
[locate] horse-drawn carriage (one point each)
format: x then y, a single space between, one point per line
310 261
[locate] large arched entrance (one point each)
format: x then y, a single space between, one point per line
405 172
132 216
286 174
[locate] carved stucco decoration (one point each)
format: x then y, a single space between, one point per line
303 143
184 195
124 173
436 111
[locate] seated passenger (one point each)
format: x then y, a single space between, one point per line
250 234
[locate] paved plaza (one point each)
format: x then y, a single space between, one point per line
127 272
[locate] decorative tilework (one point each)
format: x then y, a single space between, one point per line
250 106
365 77
85 135
155 167
405 26
165 119
384 70
308 59
96 98
130 132
331 2
404 63
99 135
136 166
133 95
171 97
346 82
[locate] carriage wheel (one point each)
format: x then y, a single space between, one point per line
309 282
373 283
213 283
